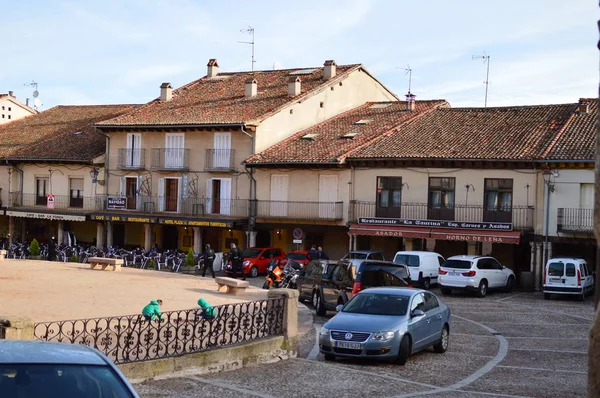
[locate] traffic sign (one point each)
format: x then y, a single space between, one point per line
298 241
298 233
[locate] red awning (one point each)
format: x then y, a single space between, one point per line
467 235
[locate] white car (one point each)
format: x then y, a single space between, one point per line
423 266
475 273
567 276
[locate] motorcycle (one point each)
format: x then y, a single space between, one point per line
275 276
283 274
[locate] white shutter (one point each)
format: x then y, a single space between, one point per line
174 144
122 191
134 149
138 196
225 196
222 150
586 196
161 194
179 191
208 205
279 195
328 195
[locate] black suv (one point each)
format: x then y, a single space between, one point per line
342 281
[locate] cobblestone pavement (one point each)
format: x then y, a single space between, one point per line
504 345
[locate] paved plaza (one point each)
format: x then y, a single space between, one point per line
505 345
50 291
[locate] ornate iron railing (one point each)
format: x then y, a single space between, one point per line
131 338
219 160
576 219
61 202
170 158
299 210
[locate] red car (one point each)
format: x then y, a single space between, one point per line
256 260
299 255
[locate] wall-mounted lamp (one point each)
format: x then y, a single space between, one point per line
468 187
278 234
230 233
94 174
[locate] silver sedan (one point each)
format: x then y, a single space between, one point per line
387 323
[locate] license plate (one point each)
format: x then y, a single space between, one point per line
555 280
454 273
352 346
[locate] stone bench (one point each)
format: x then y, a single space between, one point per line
103 263
2 254
231 285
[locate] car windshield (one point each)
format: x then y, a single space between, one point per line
460 264
355 256
55 380
296 256
377 304
251 253
556 269
409 259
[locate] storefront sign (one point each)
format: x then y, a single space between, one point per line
116 203
472 238
196 223
114 217
403 222
46 216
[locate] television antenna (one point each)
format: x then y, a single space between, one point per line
250 31
35 95
486 60
409 73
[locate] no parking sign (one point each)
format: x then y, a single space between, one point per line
297 233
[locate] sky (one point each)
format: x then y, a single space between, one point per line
120 51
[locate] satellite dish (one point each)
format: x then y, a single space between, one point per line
36 94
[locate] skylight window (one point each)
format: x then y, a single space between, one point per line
351 134
363 121
77 133
310 136
303 72
381 105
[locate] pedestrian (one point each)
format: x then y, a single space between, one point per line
207 311
321 254
51 249
209 259
236 261
152 310
313 254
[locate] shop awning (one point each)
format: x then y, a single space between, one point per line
45 216
467 235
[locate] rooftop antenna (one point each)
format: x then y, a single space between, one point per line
36 94
250 31
409 73
486 60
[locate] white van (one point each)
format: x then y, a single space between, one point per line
566 275
423 266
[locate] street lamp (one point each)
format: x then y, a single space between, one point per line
94 174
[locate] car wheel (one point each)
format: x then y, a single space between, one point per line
482 291
442 345
266 285
546 296
404 351
317 302
426 284
329 357
446 291
254 271
510 284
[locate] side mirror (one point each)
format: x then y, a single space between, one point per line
417 313
339 307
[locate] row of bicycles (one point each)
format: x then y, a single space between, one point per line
159 260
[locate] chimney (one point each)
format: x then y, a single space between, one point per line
410 102
582 108
251 87
213 68
329 70
10 93
294 86
166 92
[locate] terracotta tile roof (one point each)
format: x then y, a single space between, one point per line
221 99
50 134
332 139
507 133
577 141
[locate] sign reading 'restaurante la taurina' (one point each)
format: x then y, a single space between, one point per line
488 226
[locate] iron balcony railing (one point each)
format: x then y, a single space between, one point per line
299 210
520 216
220 160
575 219
186 206
131 338
61 202
170 158
133 159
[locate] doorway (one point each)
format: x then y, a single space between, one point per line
131 192
118 235
170 235
263 239
171 188
216 202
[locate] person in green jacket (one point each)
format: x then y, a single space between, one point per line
152 310
208 311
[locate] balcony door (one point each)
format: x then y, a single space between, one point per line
389 197
76 189
328 195
222 151
169 190
441 198
279 195
218 196
130 190
41 191
174 150
586 207
133 155
498 200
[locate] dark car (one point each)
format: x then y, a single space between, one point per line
311 277
345 279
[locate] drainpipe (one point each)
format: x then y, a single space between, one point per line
106 162
252 190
